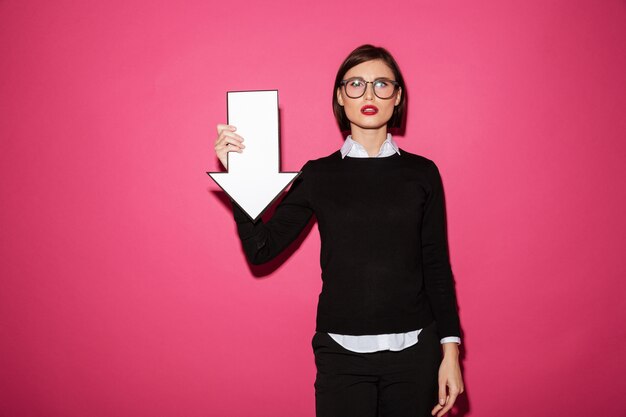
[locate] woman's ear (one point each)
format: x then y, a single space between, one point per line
339 97
398 96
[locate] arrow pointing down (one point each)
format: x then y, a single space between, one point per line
253 180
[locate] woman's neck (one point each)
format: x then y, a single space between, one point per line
370 139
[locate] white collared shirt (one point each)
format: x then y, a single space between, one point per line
378 342
354 149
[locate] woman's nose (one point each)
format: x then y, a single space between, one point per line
369 91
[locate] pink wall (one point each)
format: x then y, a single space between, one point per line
123 288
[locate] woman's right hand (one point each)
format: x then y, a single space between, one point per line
227 141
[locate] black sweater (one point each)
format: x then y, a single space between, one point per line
384 256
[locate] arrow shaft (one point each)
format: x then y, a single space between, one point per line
255 114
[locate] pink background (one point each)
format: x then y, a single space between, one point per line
124 291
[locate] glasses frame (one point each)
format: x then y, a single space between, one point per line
396 86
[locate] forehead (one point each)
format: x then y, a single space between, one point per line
370 70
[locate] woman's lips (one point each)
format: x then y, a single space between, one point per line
369 110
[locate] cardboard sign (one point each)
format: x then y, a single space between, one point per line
253 179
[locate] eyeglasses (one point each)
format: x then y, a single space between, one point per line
383 88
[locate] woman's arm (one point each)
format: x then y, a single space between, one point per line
440 289
262 242
436 264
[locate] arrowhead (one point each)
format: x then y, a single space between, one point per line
253 193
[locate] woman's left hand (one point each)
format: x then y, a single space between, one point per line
450 382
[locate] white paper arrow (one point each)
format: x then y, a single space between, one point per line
253 180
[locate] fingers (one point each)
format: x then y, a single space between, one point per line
227 141
435 410
230 141
449 402
443 398
446 400
443 395
224 131
221 127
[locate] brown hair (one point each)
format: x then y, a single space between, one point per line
362 54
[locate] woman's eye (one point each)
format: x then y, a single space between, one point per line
356 83
380 83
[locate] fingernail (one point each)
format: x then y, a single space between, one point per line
441 401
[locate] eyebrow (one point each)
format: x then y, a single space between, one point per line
377 78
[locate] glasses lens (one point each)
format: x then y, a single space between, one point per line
355 87
384 88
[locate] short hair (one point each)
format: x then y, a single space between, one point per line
362 54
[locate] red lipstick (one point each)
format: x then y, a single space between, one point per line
369 110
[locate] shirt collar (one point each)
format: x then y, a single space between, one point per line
355 149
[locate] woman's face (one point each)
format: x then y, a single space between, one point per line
369 111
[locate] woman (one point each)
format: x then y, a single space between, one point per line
387 309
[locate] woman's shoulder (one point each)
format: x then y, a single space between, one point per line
323 161
418 160
421 166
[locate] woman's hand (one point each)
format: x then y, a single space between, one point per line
450 380
227 141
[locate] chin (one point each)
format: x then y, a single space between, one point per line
372 124
369 126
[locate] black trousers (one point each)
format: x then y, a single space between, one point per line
378 384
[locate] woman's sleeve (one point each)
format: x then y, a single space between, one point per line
263 241
437 271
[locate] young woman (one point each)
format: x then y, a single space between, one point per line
387 331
